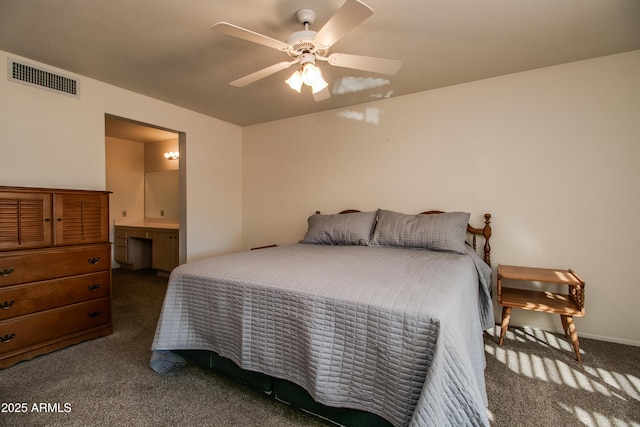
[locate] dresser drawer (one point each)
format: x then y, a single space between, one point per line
19 300
35 329
42 264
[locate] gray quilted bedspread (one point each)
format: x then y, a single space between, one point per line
396 332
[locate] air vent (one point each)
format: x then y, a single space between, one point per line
38 77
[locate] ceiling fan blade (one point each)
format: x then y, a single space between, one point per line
322 95
260 74
349 16
365 63
252 36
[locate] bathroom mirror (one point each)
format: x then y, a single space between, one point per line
161 195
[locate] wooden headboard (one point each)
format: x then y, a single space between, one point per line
485 232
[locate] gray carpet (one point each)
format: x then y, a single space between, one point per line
532 380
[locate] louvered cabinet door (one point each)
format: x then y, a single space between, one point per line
81 218
25 220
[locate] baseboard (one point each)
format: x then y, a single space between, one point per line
609 339
580 334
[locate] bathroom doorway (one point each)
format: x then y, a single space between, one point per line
146 172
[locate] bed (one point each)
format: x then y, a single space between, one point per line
372 314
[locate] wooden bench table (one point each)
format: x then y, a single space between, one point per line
566 305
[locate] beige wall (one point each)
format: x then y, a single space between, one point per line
52 140
126 164
154 160
553 154
125 177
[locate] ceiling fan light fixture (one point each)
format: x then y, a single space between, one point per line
306 46
311 75
319 86
295 81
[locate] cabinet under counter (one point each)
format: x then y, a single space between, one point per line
147 245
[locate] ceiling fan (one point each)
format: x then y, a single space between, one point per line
306 47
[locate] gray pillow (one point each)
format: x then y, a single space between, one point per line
442 232
340 229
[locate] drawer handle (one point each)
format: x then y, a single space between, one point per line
7 305
94 314
7 338
94 287
6 271
93 260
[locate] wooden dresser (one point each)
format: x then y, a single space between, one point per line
55 270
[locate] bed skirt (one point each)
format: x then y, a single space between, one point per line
283 390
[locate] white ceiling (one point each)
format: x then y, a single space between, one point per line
166 50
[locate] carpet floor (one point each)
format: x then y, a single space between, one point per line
532 380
